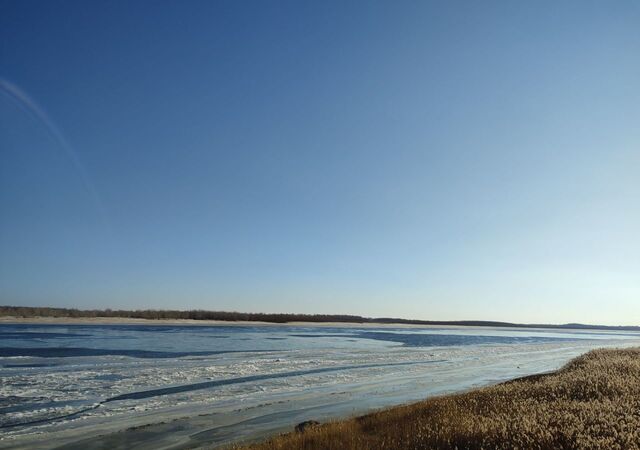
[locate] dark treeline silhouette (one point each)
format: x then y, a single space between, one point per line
198 314
233 316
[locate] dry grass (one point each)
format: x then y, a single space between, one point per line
591 403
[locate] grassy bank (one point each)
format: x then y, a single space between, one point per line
591 403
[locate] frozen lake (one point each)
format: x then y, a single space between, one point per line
61 384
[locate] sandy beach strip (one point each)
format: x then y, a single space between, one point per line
194 322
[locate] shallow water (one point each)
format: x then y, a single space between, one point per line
62 382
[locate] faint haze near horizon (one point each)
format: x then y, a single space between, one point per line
426 160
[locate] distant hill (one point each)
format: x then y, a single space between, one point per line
232 316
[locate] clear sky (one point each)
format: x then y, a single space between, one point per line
431 160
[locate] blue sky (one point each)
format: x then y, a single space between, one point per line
432 160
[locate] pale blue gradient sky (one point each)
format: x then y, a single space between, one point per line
431 160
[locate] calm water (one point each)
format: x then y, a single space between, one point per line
64 380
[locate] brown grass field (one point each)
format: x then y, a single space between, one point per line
591 403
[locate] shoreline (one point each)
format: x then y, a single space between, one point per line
46 320
197 322
167 432
556 409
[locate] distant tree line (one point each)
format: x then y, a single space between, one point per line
197 314
234 316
